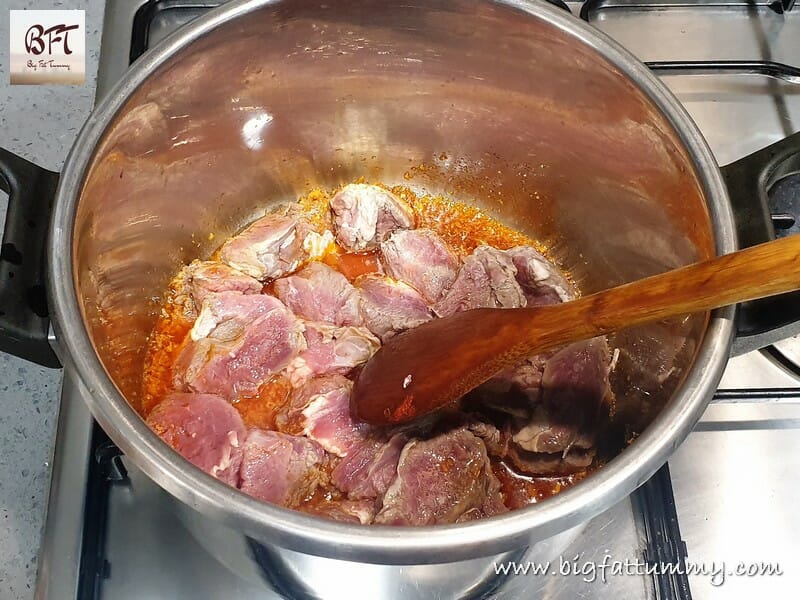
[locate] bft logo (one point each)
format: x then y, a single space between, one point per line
37 35
48 46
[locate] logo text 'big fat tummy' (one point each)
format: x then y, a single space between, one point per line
47 46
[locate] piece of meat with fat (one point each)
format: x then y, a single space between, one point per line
320 410
538 433
331 349
492 505
368 471
520 490
543 433
364 216
541 282
575 382
320 293
524 378
653 358
389 306
202 277
279 468
204 429
237 343
558 437
420 258
571 382
486 279
513 392
494 438
347 511
439 480
545 464
273 246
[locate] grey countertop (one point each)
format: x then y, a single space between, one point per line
38 122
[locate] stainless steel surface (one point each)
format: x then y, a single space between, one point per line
757 370
174 566
121 240
736 493
736 117
63 533
789 350
738 114
304 575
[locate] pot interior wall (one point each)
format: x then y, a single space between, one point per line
475 100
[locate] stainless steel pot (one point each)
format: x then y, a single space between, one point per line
512 105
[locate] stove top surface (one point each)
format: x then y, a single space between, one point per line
732 484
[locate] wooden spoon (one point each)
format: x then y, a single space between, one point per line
430 366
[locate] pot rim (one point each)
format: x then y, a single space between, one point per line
379 544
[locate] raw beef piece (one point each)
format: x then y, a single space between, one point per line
537 444
390 306
278 468
439 480
543 433
366 214
237 343
319 293
557 437
495 440
469 290
493 505
368 471
539 279
421 259
524 378
346 511
269 248
504 290
485 280
575 382
512 392
202 277
536 432
544 464
204 429
649 356
320 410
331 350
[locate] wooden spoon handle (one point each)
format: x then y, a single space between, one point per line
756 272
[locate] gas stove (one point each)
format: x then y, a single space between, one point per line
727 495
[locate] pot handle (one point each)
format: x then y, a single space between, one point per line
761 322
24 321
